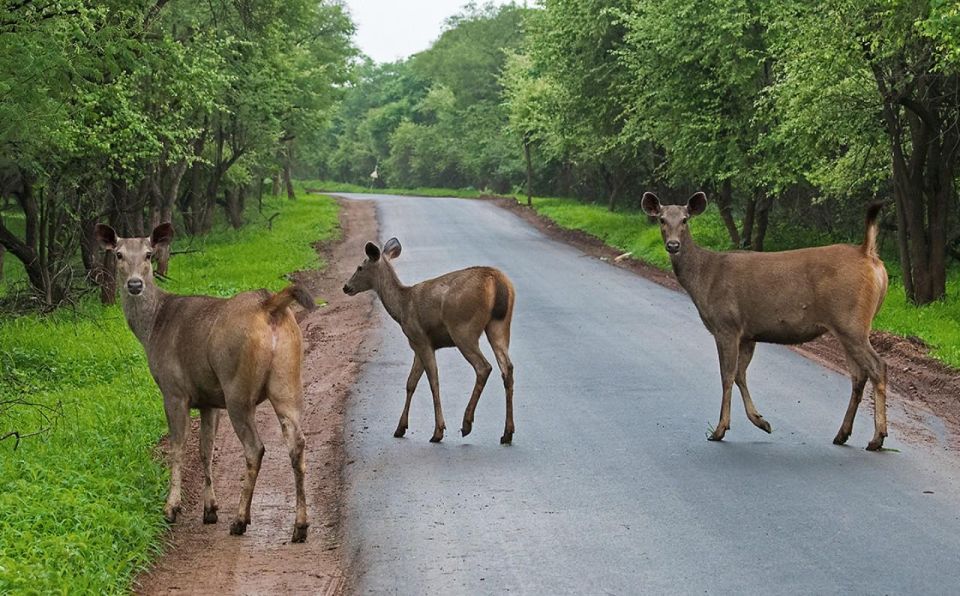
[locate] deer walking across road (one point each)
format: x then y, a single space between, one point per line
785 297
211 354
452 310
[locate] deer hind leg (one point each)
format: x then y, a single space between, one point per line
498 333
416 371
178 424
470 348
209 420
743 361
864 361
428 358
286 397
728 350
242 413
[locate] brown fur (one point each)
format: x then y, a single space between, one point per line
785 297
211 354
454 309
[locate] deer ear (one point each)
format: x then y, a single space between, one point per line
162 235
697 204
650 204
106 236
373 251
392 248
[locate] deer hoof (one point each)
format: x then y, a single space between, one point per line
764 426
401 430
506 439
875 445
299 533
436 438
841 438
170 514
238 527
210 515
716 436
466 428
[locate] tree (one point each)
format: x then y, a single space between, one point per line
886 67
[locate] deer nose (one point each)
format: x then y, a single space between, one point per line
673 246
135 286
346 289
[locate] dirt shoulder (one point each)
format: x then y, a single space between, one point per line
919 382
205 559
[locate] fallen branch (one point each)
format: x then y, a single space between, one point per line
270 220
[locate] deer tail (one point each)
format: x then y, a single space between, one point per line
869 246
501 299
275 304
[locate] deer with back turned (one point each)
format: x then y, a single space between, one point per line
452 310
787 297
211 354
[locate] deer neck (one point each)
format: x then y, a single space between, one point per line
392 293
141 311
690 265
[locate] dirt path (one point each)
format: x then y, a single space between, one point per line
926 385
205 559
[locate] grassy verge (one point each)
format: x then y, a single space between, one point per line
462 193
80 505
938 324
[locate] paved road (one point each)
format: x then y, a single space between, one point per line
610 486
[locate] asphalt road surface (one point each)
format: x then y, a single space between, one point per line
610 486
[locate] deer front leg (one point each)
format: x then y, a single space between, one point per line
178 424
743 361
728 349
429 361
416 371
209 420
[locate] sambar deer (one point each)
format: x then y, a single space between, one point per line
216 353
787 297
452 310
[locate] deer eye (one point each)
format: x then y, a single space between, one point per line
684 220
149 254
119 256
663 220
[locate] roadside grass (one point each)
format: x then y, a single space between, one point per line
328 186
81 504
938 325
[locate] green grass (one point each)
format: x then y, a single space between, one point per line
81 505
462 193
938 325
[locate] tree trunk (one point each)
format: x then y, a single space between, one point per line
746 237
726 212
3 254
764 204
232 207
276 185
526 156
107 278
287 167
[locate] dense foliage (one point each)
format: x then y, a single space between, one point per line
798 111
141 111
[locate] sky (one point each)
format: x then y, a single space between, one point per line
391 29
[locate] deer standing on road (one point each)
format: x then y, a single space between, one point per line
447 311
786 297
215 353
